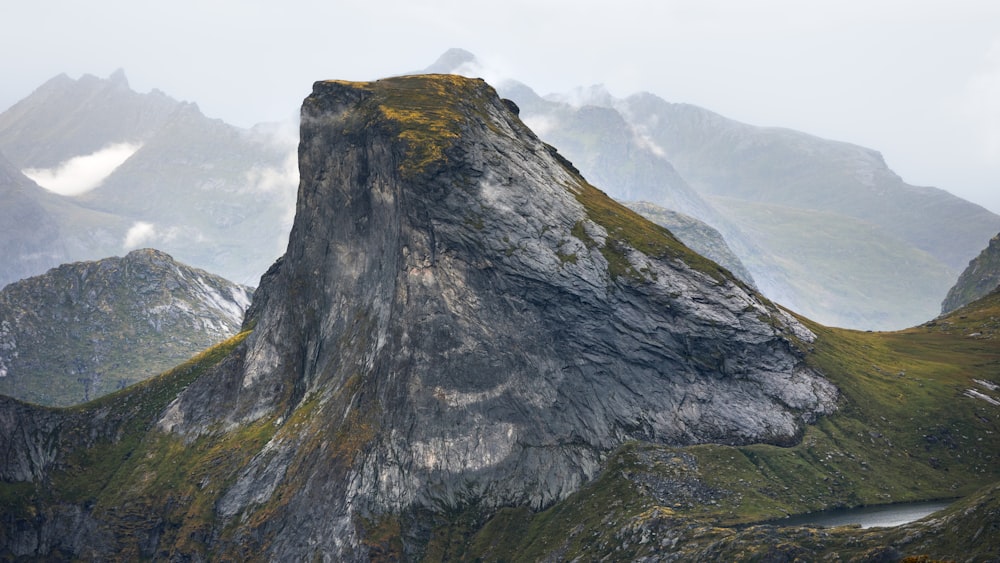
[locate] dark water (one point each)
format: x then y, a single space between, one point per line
867 517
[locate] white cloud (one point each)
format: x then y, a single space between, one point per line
82 173
492 70
138 235
540 124
283 178
143 234
596 95
279 184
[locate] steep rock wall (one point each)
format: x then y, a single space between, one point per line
451 300
460 322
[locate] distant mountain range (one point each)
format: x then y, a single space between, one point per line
40 229
820 226
85 329
213 195
823 227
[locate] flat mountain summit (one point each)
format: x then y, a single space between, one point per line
84 329
467 350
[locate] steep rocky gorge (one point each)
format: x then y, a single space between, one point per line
459 321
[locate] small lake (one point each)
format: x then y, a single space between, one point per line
868 516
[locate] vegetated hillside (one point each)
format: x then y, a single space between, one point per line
85 329
215 196
469 350
980 278
733 176
65 118
697 235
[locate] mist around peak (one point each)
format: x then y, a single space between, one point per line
80 174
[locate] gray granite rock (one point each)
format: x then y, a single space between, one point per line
461 322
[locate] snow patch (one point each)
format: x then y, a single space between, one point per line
232 309
987 384
979 395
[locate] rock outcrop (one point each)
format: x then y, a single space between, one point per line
696 234
979 279
460 322
483 322
85 329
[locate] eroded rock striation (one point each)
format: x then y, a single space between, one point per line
462 322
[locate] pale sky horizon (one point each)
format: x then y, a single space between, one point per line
918 81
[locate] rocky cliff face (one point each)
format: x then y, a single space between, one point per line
460 322
981 277
85 329
481 322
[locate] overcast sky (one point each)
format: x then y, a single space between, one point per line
917 80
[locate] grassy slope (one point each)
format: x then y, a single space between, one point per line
137 474
905 431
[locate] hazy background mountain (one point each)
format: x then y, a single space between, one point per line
85 329
214 195
831 214
823 227
39 229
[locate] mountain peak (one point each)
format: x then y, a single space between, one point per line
142 314
451 60
117 78
481 322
